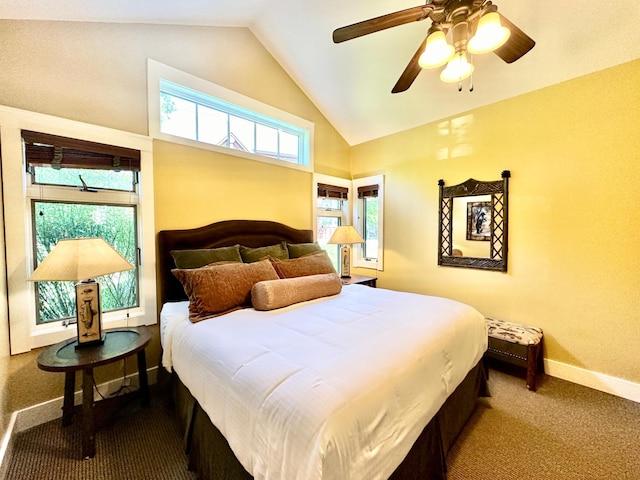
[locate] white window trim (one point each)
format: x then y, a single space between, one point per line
359 260
24 335
338 182
157 71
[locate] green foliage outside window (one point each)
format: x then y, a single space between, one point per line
115 223
371 227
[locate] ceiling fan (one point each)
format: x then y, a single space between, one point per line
475 26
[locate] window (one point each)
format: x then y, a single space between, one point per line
58 164
368 214
83 182
332 206
57 220
185 107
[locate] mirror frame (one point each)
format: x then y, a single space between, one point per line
499 191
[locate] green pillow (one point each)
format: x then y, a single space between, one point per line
205 256
297 250
279 250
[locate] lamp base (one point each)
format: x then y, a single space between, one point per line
92 343
88 313
345 262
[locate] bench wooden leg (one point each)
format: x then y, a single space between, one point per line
532 365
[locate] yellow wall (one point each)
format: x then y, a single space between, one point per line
97 73
574 228
212 187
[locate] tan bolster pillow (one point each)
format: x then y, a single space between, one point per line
272 294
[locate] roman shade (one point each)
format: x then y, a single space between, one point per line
63 152
332 191
368 191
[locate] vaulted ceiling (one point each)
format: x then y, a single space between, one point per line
351 82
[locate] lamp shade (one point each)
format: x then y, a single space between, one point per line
457 69
345 235
78 259
437 51
489 35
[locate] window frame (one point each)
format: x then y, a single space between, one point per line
18 193
158 73
344 214
359 259
97 200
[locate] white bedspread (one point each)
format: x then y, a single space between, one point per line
335 388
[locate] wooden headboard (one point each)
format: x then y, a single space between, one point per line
250 233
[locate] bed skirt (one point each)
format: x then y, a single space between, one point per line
212 459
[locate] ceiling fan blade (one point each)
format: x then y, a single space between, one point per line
518 44
410 72
383 22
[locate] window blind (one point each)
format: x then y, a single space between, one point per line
63 152
368 191
332 191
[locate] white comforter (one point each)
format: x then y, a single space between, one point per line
335 388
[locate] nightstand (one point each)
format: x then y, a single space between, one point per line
64 357
360 280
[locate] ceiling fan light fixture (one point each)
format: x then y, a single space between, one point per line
437 51
457 69
490 34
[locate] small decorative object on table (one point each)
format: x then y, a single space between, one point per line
83 259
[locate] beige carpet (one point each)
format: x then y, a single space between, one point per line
561 432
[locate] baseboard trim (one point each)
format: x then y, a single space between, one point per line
52 409
6 448
598 381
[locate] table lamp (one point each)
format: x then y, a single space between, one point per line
345 236
81 260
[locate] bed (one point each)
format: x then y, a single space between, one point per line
327 388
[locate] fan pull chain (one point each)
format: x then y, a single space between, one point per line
471 77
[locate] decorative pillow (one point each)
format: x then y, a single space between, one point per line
297 250
221 288
272 294
312 264
279 250
205 256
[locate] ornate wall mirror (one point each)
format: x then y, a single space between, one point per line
473 224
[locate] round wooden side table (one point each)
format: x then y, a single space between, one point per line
64 357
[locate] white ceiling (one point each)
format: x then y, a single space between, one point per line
351 82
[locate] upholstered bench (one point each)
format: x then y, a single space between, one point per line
516 344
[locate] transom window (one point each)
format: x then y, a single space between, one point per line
194 115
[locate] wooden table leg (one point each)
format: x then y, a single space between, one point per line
142 379
67 405
88 431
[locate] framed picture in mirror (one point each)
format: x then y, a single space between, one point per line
479 221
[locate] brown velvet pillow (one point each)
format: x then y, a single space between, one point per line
249 254
272 294
205 256
312 264
297 250
221 288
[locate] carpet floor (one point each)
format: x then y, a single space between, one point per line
136 444
561 432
